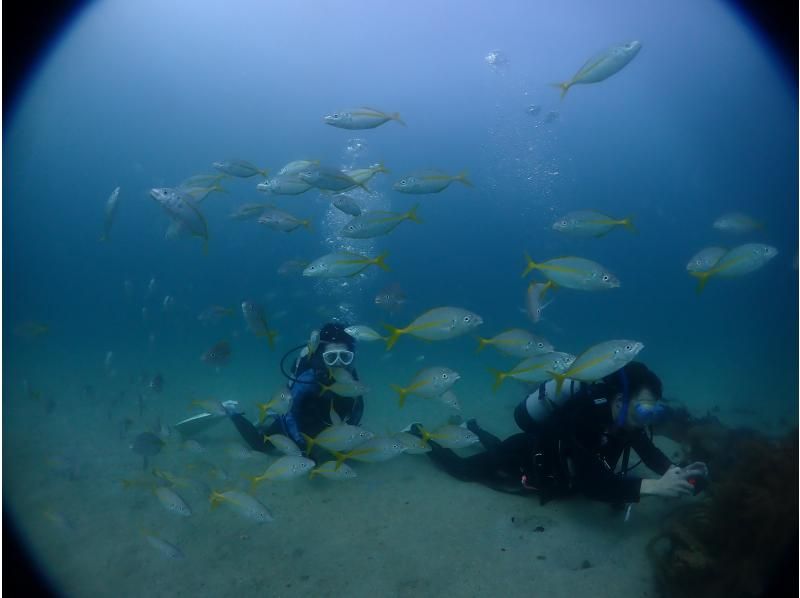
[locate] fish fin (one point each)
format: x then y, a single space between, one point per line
264 172
340 458
380 261
482 342
412 214
271 335
564 87
312 473
380 167
627 222
529 265
462 178
309 442
392 338
219 188
306 224
498 378
215 498
559 378
396 116
702 279
401 400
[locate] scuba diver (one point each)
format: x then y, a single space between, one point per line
571 444
310 410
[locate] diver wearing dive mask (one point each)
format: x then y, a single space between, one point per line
579 442
309 410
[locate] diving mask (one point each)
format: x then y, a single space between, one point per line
649 413
337 356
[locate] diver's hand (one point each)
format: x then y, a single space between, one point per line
698 469
672 484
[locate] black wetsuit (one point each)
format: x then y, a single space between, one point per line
574 451
310 411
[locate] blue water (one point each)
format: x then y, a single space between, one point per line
140 95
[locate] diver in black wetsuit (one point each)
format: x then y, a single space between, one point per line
574 448
311 405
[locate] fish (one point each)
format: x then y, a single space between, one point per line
182 211
214 313
602 66
737 222
295 266
449 398
239 168
534 370
377 223
283 221
533 299
347 204
374 450
168 303
598 361
338 437
285 468
342 264
739 261
297 166
586 223
451 436
256 321
167 550
279 404
156 383
201 180
172 502
147 445
210 406
517 343
287 184
239 452
414 444
360 118
248 211
391 298
363 333
198 194
428 383
284 444
329 179
439 323
245 504
705 259
429 182
345 387
334 470
574 273
112 204
31 329
363 175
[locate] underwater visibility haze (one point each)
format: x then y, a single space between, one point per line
637 164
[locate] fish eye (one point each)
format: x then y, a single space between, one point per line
540 345
628 347
605 277
335 115
467 319
563 223
403 182
445 376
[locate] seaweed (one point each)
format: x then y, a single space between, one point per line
730 542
